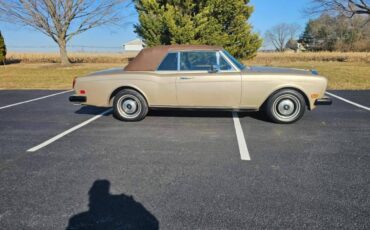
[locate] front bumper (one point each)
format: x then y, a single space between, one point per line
324 101
77 99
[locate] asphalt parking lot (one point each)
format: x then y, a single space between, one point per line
182 170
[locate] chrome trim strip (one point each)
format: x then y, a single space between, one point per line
178 60
229 61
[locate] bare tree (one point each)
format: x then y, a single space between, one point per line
61 19
293 30
280 34
348 8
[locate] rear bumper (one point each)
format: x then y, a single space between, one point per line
77 99
324 101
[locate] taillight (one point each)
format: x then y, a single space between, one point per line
74 82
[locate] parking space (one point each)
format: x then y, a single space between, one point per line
25 125
184 169
357 96
11 98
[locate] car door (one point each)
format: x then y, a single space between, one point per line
206 79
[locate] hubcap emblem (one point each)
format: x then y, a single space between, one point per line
129 106
286 107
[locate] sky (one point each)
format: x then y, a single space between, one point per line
267 13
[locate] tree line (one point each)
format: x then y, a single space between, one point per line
210 22
325 33
337 33
343 25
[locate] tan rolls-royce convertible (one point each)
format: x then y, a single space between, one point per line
200 77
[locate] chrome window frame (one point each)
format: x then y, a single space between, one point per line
219 54
236 69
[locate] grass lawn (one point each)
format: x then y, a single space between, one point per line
341 75
45 76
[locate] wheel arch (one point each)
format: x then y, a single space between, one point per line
307 101
114 93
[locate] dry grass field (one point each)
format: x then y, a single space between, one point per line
343 70
42 71
15 57
46 76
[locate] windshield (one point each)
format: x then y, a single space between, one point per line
235 62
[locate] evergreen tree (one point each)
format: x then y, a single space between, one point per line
210 22
2 49
307 37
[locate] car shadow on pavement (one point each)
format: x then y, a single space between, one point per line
107 211
204 113
189 113
91 110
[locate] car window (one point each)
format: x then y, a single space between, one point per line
197 61
224 65
236 62
169 63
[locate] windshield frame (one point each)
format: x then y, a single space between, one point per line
234 60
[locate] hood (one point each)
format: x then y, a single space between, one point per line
275 70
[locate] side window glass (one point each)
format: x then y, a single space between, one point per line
169 63
224 65
197 61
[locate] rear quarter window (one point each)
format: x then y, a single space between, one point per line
169 63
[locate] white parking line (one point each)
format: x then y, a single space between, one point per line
348 101
57 137
35 99
243 149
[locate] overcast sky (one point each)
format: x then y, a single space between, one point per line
267 14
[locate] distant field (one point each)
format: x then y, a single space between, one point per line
41 71
262 58
343 70
15 57
46 76
270 58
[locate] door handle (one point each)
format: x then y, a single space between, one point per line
185 78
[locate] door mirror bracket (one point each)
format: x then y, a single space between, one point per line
214 69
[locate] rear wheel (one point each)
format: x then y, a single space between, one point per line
129 105
285 107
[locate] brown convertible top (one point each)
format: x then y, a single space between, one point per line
149 59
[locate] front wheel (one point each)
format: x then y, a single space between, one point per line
129 105
285 107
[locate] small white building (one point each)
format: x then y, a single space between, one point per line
134 45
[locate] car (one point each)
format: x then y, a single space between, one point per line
200 77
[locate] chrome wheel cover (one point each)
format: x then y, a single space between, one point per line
129 106
286 107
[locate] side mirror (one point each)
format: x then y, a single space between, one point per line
214 69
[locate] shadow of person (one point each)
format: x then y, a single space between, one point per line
107 211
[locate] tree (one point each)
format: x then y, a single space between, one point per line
210 22
280 34
337 33
2 49
292 44
348 8
61 20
